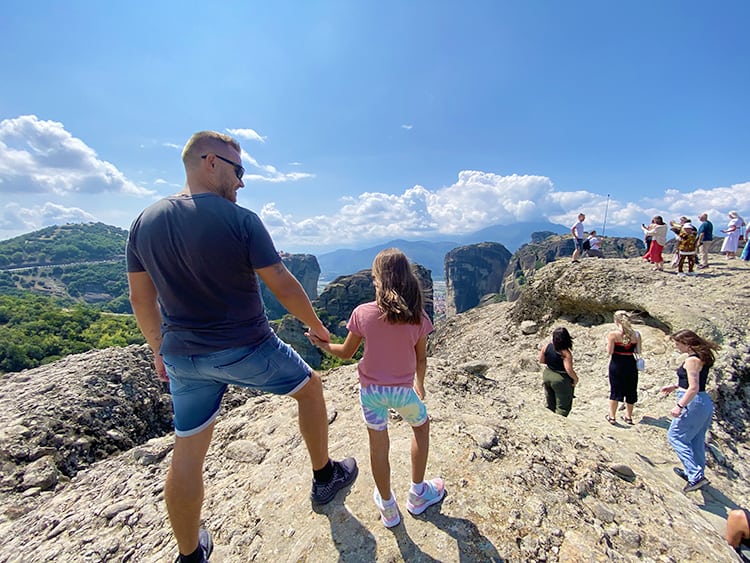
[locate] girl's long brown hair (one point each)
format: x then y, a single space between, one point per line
704 348
398 292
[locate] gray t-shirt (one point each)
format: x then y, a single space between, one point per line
201 252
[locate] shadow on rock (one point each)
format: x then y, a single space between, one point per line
716 502
661 422
472 544
353 541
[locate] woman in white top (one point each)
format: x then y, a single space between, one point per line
657 230
733 232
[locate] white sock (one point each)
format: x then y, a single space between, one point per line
417 488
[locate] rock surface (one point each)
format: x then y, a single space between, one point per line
342 295
523 484
471 272
305 268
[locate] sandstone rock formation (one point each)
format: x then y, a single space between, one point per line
471 272
543 250
305 268
523 484
342 295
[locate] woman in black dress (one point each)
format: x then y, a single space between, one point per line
622 345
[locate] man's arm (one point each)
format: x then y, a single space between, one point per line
292 296
148 316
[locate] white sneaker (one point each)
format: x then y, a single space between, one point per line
389 515
681 274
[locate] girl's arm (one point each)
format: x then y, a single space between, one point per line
542 360
344 351
421 350
637 342
693 367
567 356
611 343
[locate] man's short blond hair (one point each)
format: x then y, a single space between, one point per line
204 142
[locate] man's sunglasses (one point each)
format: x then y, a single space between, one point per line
238 170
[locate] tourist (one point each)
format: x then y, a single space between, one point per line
693 409
623 344
394 328
193 263
577 231
657 230
686 241
705 235
559 377
595 249
733 232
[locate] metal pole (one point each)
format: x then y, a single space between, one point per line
606 208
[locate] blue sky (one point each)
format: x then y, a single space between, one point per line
364 121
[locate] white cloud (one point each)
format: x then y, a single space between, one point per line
407 126
269 173
39 156
481 199
15 219
250 134
172 146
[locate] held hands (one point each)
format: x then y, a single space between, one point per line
315 340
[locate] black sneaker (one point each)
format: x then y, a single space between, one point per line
680 473
344 473
205 543
694 486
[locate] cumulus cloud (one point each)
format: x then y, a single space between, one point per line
482 199
269 173
38 156
250 134
15 218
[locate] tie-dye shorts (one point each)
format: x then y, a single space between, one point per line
377 399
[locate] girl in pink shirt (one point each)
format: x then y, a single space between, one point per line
394 328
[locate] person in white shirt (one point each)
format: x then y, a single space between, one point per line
577 231
595 248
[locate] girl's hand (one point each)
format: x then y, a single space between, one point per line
676 411
667 389
315 341
419 390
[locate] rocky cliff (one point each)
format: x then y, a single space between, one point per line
543 250
305 268
471 272
523 484
342 295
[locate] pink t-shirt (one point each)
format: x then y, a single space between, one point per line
389 357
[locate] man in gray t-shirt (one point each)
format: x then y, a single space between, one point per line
193 261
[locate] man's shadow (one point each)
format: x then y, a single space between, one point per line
353 541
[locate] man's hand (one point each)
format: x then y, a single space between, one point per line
317 341
161 371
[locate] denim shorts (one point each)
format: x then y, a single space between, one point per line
377 399
198 382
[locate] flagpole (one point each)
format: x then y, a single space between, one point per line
606 208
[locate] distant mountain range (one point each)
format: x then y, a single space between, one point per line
431 254
81 243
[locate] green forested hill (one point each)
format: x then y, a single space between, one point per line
80 242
